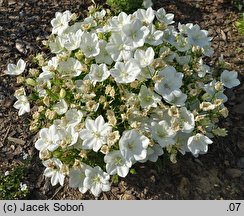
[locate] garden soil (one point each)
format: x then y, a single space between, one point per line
216 175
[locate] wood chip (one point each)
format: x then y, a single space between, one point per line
16 140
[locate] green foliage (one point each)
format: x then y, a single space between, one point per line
240 24
10 184
127 6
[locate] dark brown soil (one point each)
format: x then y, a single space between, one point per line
216 175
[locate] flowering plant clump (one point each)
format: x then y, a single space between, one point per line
120 90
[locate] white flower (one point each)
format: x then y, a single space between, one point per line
162 133
98 73
23 187
176 97
56 45
116 164
187 120
146 16
49 138
22 104
72 40
229 78
18 69
148 98
163 17
60 22
89 44
117 49
96 180
70 136
103 56
117 22
73 117
61 107
133 146
145 58
135 33
95 133
153 153
70 68
125 72
54 170
77 177
197 36
198 144
155 36
170 80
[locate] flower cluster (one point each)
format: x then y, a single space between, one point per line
121 90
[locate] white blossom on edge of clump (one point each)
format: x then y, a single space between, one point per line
229 78
163 17
17 69
153 152
96 180
116 163
48 139
77 177
61 107
95 133
22 104
54 170
198 144
162 133
60 22
133 146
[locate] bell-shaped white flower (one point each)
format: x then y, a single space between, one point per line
22 104
187 120
70 68
170 80
56 45
162 133
117 49
229 78
145 58
17 69
103 56
148 98
77 177
153 153
125 72
49 139
61 107
89 44
54 170
117 22
116 164
72 40
198 144
133 146
98 73
197 36
146 16
163 17
135 33
60 22
155 36
96 180
73 117
95 133
176 97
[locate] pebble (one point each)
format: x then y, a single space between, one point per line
240 162
20 47
233 172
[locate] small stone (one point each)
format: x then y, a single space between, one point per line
20 47
233 172
240 162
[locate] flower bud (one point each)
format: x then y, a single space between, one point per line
44 154
105 149
62 93
30 82
224 112
46 101
20 79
